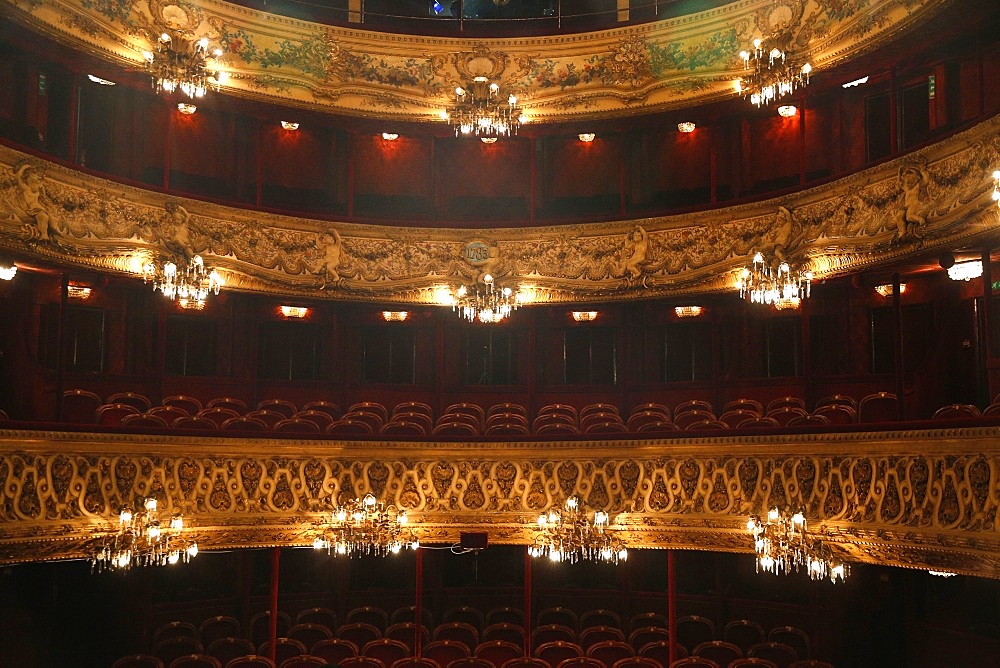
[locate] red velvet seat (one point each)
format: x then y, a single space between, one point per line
111 415
244 423
414 407
838 400
658 428
227 649
138 661
458 631
596 634
334 650
196 661
286 408
504 631
706 425
809 421
422 419
232 403
507 429
525 662
743 633
303 661
498 652
505 615
660 651
320 419
386 650
507 407
581 662
144 421
284 648
470 662
260 626
408 613
406 633
878 407
780 654
652 407
373 420
553 653
689 417
328 407
80 406
786 414
172 648
837 413
560 409
416 662
694 662
252 661
370 407
610 651
637 662
645 620
733 418
167 413
642 637
605 428
692 630
268 417
752 662
743 404
359 633
794 637
361 662
188 404
693 405
174 630
720 651
455 429
193 422
600 617
785 402
556 428
309 634
349 427
446 651
368 614
403 428
296 426
471 420
465 408
759 423
324 617
220 626
957 412
218 415
466 614
138 401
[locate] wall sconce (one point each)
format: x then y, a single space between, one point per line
886 290
7 272
395 316
787 110
686 126
294 311
856 82
965 271
488 140
587 137
687 311
191 304
584 316
80 292
290 125
390 136
186 109
99 80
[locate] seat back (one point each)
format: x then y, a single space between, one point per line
693 630
837 413
244 423
642 637
188 404
196 661
284 649
176 647
785 402
786 414
610 651
743 633
406 633
80 406
296 426
320 419
597 634
780 654
220 626
138 661
227 649
581 662
386 650
309 634
416 662
794 637
173 630
555 652
231 403
498 652
359 633
334 650
552 633
328 407
458 631
252 661
525 662
660 651
143 421
259 626
409 614
138 401
878 407
645 620
505 614
194 422
636 662
720 651
446 651
111 414
286 408
504 631
361 662
302 661
465 614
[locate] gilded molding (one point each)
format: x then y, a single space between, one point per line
938 197
648 67
916 498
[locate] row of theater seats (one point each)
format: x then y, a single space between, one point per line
417 419
596 635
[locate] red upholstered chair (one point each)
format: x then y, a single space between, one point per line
645 620
560 409
403 428
144 421
334 650
837 413
498 652
459 632
660 651
957 412
260 626
658 428
195 422
80 406
244 423
525 662
416 662
706 425
652 407
188 404
556 652
138 661
780 654
252 661
138 401
581 662
505 631
270 418
284 648
878 407
370 407
692 630
785 402
303 661
636 662
359 633
473 410
322 420
296 426
167 413
406 633
286 408
507 429
682 420
807 663
309 634
786 414
423 420
600 617
733 418
720 651
220 626
111 414
454 428
174 630
361 662
408 613
794 637
759 423
693 405
195 661
605 428
227 649
694 662
637 420
556 428
642 637
749 405
752 662
369 614
348 427
809 421
838 400
610 651
507 407
598 408
172 648
328 407
446 651
237 405
992 410
599 417
552 633
505 615
373 420
595 634
414 407
466 614
470 662
743 633
386 650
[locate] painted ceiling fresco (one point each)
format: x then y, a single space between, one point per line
634 69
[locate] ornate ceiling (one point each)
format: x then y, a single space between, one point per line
914 499
625 71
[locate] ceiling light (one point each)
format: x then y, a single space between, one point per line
787 110
856 82
294 311
783 544
290 125
481 110
686 126
965 271
142 539
886 290
488 140
943 574
186 109
390 136
181 65
687 311
781 287
769 72
487 304
395 316
584 316
568 534
7 272
99 80
366 527
80 292
587 137
189 285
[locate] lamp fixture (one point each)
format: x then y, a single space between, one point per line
100 81
182 64
7 272
481 110
782 545
395 316
390 136
769 73
686 126
965 271
787 110
186 109
584 316
366 527
943 574
143 540
189 285
886 289
687 311
780 287
487 304
488 140
856 82
294 311
80 292
586 137
291 126
568 534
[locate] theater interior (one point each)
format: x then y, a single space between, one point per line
593 334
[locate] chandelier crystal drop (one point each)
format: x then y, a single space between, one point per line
142 539
769 73
783 545
481 110
781 287
181 64
189 285
488 303
366 527
569 535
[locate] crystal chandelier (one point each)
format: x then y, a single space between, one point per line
782 288
487 304
782 544
569 535
182 64
366 527
480 110
769 73
190 285
143 540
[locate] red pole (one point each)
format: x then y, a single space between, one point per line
272 629
418 610
527 603
671 606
